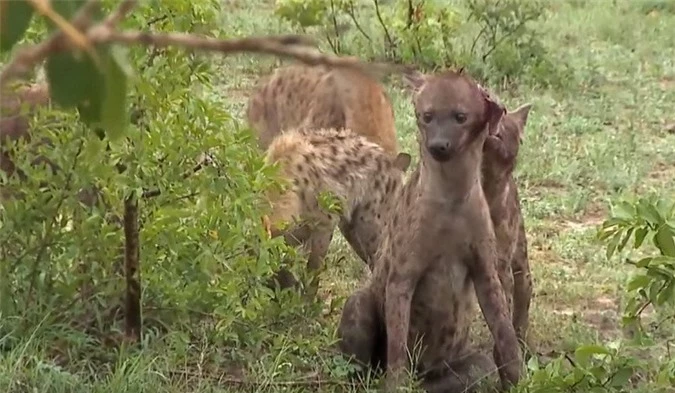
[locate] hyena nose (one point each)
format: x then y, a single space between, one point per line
440 151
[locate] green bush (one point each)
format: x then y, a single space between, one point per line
640 363
203 248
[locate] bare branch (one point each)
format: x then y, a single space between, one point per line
44 7
290 46
132 270
299 47
390 40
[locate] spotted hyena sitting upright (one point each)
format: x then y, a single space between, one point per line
437 248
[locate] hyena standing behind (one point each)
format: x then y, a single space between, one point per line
300 96
357 171
438 248
500 154
315 98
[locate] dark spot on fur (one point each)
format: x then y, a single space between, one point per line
396 276
408 198
342 170
391 186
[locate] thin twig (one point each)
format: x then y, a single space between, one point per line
502 38
475 40
330 42
384 26
351 11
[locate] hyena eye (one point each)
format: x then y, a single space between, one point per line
460 117
427 117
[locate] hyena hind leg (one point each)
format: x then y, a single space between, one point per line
361 333
522 289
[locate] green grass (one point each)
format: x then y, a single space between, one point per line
601 137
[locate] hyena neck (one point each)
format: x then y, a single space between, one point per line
453 181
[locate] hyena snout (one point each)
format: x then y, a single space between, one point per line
440 149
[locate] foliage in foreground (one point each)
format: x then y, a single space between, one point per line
642 362
203 251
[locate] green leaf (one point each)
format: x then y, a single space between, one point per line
664 241
624 210
629 233
114 116
610 227
661 260
654 290
533 364
644 262
614 222
640 235
584 353
611 247
648 212
666 293
664 208
15 17
659 272
72 80
99 95
636 282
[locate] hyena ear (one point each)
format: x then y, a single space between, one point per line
414 80
495 110
520 115
402 161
